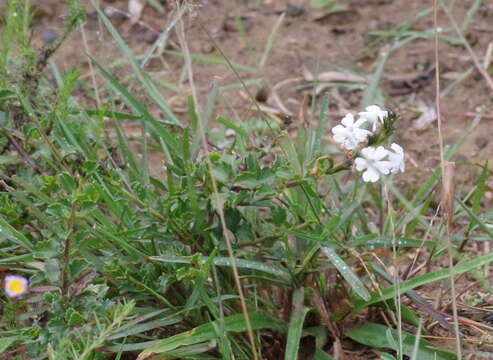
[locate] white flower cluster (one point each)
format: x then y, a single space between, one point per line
373 161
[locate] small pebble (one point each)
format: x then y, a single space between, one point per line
262 95
294 11
481 142
146 35
207 48
49 36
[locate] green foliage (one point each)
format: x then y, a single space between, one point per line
296 325
365 334
15 55
323 3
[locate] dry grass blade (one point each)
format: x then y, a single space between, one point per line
334 76
488 56
270 41
475 59
275 96
448 191
448 170
326 321
447 206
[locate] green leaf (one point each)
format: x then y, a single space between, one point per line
270 41
7 231
374 335
321 355
214 61
478 193
319 133
234 323
296 325
346 272
148 86
387 241
370 94
289 149
385 356
391 291
233 126
6 94
321 3
480 223
146 117
141 328
6 342
108 113
226 261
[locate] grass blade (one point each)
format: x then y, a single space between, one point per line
206 332
389 292
6 342
132 102
373 335
214 61
370 94
316 139
9 232
270 41
321 355
149 87
346 272
225 261
296 325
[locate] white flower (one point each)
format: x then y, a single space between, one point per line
15 285
396 158
372 163
373 115
349 134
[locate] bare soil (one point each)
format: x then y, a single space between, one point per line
308 42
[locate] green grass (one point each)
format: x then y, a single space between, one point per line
126 256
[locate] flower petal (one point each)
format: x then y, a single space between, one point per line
397 148
360 122
371 175
380 153
360 163
348 120
15 285
383 166
368 152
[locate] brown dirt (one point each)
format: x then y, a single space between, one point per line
340 42
336 43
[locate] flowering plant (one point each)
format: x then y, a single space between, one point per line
15 285
350 133
363 145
